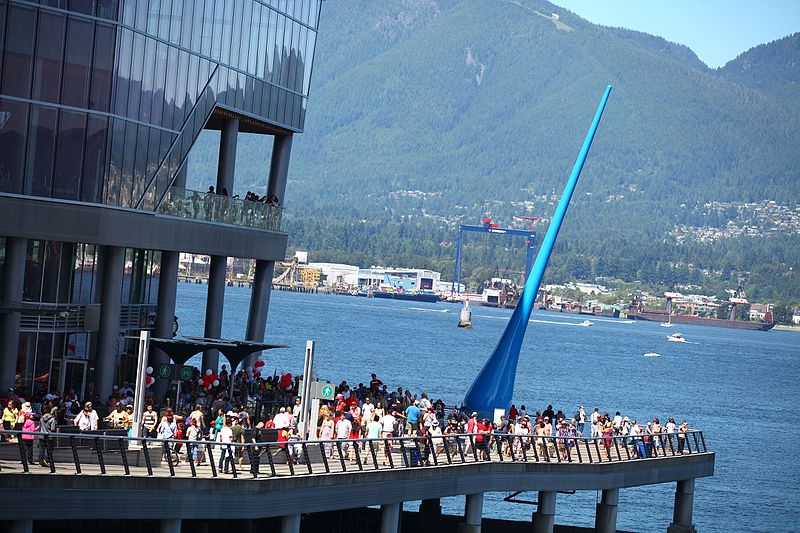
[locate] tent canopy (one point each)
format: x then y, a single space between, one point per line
181 349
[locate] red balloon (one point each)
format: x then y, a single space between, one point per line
259 364
148 379
257 374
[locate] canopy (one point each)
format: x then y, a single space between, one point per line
181 349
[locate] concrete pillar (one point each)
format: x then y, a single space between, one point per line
259 305
170 525
544 518
605 518
21 526
227 155
473 511
279 166
682 514
107 353
165 316
11 293
216 299
390 517
290 523
430 513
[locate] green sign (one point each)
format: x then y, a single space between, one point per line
326 392
186 373
175 372
165 371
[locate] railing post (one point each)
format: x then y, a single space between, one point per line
75 454
99 451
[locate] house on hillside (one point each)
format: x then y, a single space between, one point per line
758 312
796 316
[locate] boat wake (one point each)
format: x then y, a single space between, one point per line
651 354
429 310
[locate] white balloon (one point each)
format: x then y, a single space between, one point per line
208 372
216 383
149 369
200 381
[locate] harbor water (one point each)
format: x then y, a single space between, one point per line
739 387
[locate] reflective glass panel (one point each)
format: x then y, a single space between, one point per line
137 66
49 54
13 132
185 21
112 185
128 162
18 57
77 62
227 26
41 151
94 158
107 9
82 6
103 66
159 80
148 73
124 64
69 155
181 99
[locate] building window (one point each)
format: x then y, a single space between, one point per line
18 57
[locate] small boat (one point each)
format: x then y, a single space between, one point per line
585 323
666 325
676 337
651 354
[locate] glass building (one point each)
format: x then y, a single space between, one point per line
100 103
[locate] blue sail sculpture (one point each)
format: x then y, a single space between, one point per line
494 386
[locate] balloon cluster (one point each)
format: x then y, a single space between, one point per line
209 379
148 379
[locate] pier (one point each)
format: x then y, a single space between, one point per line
342 474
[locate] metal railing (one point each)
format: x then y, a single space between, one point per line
115 455
197 205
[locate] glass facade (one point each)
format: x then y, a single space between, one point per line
101 100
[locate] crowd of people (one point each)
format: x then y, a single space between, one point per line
368 411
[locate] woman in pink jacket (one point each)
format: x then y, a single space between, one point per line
27 438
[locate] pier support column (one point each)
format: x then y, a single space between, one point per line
682 514
170 525
279 166
21 526
390 517
214 303
227 155
11 293
290 523
259 305
473 512
544 518
430 512
605 518
165 316
107 354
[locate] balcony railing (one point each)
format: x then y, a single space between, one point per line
195 205
117 454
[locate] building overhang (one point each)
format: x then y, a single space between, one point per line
69 221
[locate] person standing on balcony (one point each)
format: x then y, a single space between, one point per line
87 419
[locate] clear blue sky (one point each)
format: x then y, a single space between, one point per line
716 30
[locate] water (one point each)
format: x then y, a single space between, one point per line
738 386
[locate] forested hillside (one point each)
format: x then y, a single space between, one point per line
426 113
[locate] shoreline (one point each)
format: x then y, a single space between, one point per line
781 327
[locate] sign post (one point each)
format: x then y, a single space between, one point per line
305 392
141 373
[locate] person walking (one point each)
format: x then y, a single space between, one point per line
47 424
28 428
225 438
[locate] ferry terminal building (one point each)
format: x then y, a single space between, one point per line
100 103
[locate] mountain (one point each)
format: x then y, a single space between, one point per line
773 68
427 113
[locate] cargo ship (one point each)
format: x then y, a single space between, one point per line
428 297
497 292
665 316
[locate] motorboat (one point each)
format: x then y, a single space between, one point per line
651 354
676 337
585 323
